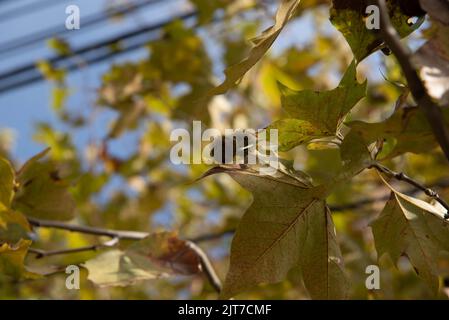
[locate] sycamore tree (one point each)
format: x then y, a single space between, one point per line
358 207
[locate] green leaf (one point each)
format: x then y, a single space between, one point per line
349 18
6 184
287 226
414 228
42 193
293 132
325 110
13 227
157 256
12 260
354 155
261 43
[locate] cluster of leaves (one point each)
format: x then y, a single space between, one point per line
296 238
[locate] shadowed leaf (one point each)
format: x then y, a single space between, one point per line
412 227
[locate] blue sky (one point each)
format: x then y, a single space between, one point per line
22 108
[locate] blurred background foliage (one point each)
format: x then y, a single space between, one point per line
120 184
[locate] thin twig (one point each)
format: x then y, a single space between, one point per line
404 56
206 267
117 235
120 234
403 177
133 235
43 253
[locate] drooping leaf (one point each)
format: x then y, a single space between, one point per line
6 184
349 18
414 228
159 255
287 226
42 193
261 43
320 112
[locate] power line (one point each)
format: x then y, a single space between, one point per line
29 74
29 8
94 19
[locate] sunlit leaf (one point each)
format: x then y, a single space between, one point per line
6 184
42 193
157 256
349 18
324 110
293 132
433 62
261 45
12 260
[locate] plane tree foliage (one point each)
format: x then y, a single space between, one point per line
362 182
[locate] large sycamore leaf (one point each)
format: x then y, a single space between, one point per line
414 228
314 114
42 193
407 129
349 18
6 184
287 226
262 43
159 255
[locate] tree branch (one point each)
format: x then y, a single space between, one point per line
135 235
43 253
403 177
206 267
120 234
117 235
404 56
